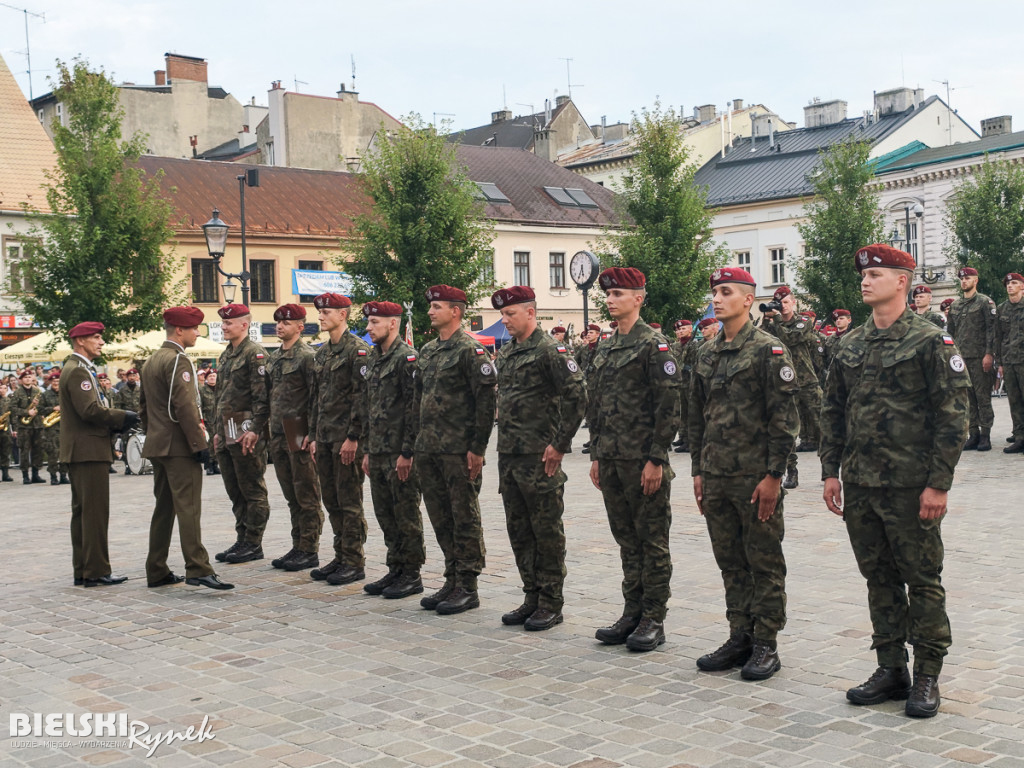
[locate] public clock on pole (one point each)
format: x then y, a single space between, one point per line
583 268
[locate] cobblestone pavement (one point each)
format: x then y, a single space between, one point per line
296 673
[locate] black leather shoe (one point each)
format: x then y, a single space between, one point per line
54 480
212 582
924 696
461 599
647 636
111 471
807 447
1015 447
733 653
972 441
104 581
6 478
617 633
36 478
219 557
166 581
408 583
792 479
885 683
378 586
128 471
1011 439
79 581
430 602
346 575
64 479
684 448
518 616
762 664
277 562
245 554
984 442
25 479
300 561
321 574
542 619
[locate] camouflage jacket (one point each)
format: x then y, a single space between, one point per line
242 386
895 407
389 401
21 403
541 398
932 317
47 403
291 384
5 407
1010 333
208 404
583 356
454 396
127 398
337 408
685 356
634 397
972 324
802 341
831 346
743 417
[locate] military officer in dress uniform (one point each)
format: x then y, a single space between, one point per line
972 324
541 402
922 297
893 421
176 445
633 415
455 413
86 421
292 388
743 425
1010 355
390 404
336 434
242 411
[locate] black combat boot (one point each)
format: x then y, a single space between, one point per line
984 441
25 478
346 574
377 587
792 479
924 696
36 478
647 636
763 662
278 562
884 684
1015 447
6 475
518 616
733 653
54 479
617 633
321 574
460 599
300 561
408 583
972 440
246 553
430 602
64 479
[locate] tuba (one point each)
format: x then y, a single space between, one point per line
26 420
51 418
5 421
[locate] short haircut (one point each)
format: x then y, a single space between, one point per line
463 308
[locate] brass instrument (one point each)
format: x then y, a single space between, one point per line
5 420
53 417
26 420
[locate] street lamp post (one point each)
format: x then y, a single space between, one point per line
918 210
216 233
250 178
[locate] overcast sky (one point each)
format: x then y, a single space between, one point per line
468 59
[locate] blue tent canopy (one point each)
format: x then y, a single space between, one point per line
499 332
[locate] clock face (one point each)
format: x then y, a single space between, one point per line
581 268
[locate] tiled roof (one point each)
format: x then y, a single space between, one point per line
926 156
516 133
26 152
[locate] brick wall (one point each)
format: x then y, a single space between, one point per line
185 68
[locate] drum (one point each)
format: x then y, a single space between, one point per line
133 455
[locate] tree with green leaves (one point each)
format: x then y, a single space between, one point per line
843 217
97 254
426 226
985 215
664 227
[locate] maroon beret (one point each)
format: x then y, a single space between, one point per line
706 322
584 332
86 329
53 374
683 324
781 293
27 372
558 329
183 317
808 313
503 297
613 324
622 277
656 326
840 313
883 255
918 290
130 371
946 303
289 312
332 301
967 272
382 309
731 275
102 376
231 311
593 327
1013 276
447 293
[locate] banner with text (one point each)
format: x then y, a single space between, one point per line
311 282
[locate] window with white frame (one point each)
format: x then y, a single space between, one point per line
487 274
521 263
556 268
15 277
742 259
778 262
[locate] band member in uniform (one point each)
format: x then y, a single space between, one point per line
25 405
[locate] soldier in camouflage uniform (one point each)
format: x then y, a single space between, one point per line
49 404
244 403
455 415
337 432
972 324
1010 354
6 443
584 356
633 415
390 406
893 423
541 401
683 348
292 378
127 397
743 425
842 319
208 408
801 340
922 297
25 403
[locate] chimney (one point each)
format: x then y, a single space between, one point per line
160 77
346 95
604 129
897 100
820 113
185 68
705 113
996 126
501 115
560 100
544 144
275 85
737 104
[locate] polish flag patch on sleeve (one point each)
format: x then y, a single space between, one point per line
259 356
361 352
479 351
947 340
662 347
777 350
560 348
411 358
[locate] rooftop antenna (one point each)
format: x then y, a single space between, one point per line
568 75
504 97
353 72
949 110
442 114
520 104
298 82
28 51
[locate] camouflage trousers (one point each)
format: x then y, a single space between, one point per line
341 486
808 403
243 480
749 555
30 445
51 445
1013 383
900 555
296 474
533 517
6 448
980 394
640 526
396 506
684 407
453 506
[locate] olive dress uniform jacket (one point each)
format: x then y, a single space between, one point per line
85 419
170 405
